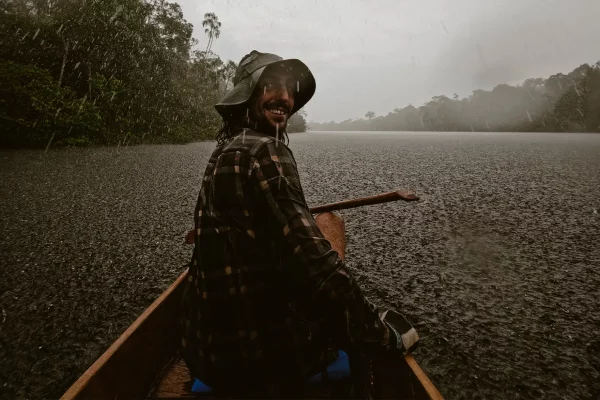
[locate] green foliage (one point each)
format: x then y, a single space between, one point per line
297 122
33 108
561 103
125 66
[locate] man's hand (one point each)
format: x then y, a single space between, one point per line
403 337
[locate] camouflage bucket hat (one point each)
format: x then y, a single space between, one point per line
248 73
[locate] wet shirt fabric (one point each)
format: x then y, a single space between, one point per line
267 300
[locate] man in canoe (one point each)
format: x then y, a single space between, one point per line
268 302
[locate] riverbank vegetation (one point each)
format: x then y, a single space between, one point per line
561 103
107 72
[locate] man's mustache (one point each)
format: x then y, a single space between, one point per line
278 104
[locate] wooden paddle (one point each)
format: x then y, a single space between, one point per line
343 205
366 201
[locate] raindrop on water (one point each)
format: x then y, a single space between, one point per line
117 11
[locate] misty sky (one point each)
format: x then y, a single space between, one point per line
378 55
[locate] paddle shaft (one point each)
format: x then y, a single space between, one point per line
365 201
343 205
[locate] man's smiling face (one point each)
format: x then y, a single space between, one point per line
273 100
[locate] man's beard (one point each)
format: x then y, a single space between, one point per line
261 124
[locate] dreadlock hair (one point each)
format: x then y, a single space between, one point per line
236 123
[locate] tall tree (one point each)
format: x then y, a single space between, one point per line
212 28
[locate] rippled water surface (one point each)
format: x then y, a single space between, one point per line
498 265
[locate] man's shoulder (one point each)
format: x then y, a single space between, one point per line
251 142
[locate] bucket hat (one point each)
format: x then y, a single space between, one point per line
248 73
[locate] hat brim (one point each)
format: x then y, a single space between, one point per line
241 92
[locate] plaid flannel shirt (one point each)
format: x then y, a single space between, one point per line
267 298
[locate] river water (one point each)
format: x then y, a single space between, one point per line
498 264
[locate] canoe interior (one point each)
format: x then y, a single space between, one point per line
176 383
393 379
144 363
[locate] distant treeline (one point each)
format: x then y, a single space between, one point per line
561 103
78 72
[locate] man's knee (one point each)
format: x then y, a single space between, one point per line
330 216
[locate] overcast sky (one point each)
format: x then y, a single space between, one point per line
378 55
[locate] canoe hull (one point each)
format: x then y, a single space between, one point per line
143 363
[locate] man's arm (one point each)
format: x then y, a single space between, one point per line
331 286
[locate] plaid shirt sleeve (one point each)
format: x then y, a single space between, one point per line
330 286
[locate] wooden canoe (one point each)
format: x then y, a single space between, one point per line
144 363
